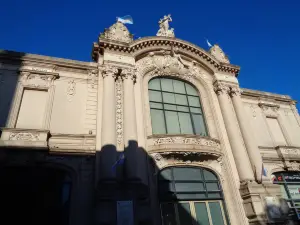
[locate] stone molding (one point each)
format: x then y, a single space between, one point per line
221 88
138 45
288 152
72 143
235 91
93 75
24 138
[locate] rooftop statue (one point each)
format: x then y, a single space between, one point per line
164 27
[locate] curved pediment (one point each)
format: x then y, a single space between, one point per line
143 46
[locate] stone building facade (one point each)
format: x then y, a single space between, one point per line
155 131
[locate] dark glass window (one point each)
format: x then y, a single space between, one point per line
191 195
175 108
290 188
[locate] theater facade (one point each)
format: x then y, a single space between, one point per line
153 131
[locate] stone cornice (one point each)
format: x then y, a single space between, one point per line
135 48
267 96
21 59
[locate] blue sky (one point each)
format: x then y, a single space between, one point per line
261 36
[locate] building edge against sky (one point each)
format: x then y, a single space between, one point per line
198 148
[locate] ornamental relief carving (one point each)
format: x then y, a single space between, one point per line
24 136
186 140
119 113
117 32
271 111
71 90
92 75
169 63
29 79
164 159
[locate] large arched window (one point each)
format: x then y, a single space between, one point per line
190 195
290 188
175 108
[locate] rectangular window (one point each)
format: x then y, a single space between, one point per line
276 131
32 110
158 121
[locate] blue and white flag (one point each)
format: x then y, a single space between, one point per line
209 44
120 161
125 19
264 171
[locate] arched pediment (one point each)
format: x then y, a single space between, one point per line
139 48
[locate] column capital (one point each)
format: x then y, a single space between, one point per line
129 73
109 70
221 88
235 91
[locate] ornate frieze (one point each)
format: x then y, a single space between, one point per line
187 141
164 27
24 137
36 79
117 32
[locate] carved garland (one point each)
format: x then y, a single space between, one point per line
24 136
119 112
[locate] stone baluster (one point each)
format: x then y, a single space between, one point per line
249 140
240 155
108 154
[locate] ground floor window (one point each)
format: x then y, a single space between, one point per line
290 187
191 195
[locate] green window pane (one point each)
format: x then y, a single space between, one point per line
214 195
156 105
190 90
154 84
165 175
170 107
212 186
196 110
183 108
209 175
189 196
201 214
184 212
185 123
181 173
189 187
283 191
168 214
155 96
172 122
166 85
194 101
216 214
181 99
199 125
168 98
158 121
178 86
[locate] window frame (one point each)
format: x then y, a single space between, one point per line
189 112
